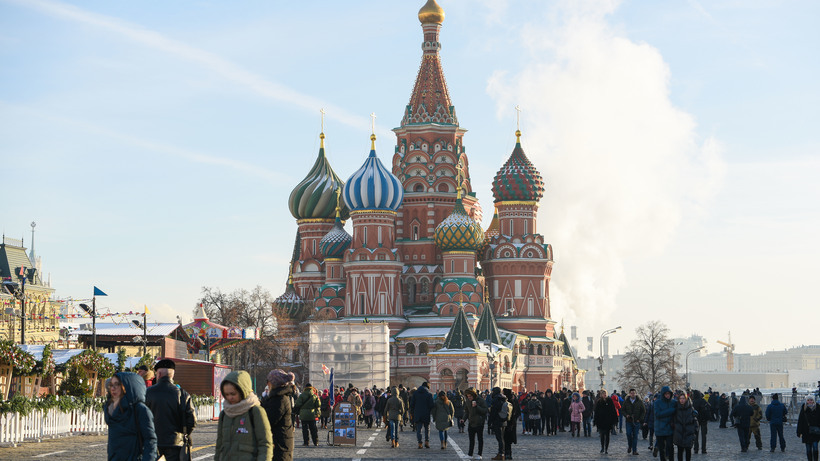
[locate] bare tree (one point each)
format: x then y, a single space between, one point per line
649 359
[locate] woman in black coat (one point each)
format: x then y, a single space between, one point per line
809 417
605 418
510 432
683 427
278 408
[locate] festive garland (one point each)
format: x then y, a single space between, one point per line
46 366
21 361
93 360
65 404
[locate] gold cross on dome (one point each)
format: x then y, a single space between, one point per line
372 123
459 177
517 117
322 111
338 201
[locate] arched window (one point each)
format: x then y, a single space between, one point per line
443 188
410 349
423 349
532 349
418 188
540 350
415 232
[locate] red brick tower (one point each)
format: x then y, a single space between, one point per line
428 149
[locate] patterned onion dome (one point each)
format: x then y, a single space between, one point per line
315 197
373 187
336 241
431 13
493 231
459 232
289 303
518 179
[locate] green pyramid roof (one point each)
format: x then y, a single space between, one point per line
487 328
461 336
567 348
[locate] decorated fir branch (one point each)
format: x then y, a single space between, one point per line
21 361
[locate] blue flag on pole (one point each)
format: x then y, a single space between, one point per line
332 388
98 292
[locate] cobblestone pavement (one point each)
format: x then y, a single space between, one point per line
722 445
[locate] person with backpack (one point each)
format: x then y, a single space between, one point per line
500 414
381 403
605 418
278 407
130 423
510 436
174 416
308 407
368 407
704 413
243 432
776 416
475 411
393 411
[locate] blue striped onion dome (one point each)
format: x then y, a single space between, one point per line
336 241
373 187
289 303
315 196
459 232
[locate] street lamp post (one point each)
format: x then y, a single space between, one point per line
20 294
144 326
491 355
601 371
687 363
93 311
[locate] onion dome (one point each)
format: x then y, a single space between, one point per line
459 232
493 231
289 303
518 179
373 187
431 13
337 240
313 198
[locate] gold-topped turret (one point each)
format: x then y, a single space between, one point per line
431 13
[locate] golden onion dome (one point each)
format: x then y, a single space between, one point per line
431 13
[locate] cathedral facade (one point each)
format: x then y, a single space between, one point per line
465 306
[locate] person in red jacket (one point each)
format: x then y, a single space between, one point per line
616 402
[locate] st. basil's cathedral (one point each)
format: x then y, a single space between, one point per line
465 306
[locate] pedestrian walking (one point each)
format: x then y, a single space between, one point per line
243 432
754 422
325 409
576 414
394 409
368 407
355 399
443 413
475 411
587 415
741 415
605 418
634 413
510 436
664 411
131 435
173 411
500 415
458 400
724 410
776 416
684 426
808 427
308 406
650 420
704 413
278 408
421 404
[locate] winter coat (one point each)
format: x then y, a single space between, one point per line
757 415
633 412
325 408
588 405
549 405
617 402
650 415
394 408
172 409
131 421
776 412
458 405
277 406
533 408
495 408
702 407
421 404
476 414
443 414
664 410
684 423
356 400
372 400
511 431
308 404
381 403
807 418
246 437
743 412
604 416
576 409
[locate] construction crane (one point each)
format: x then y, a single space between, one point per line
730 353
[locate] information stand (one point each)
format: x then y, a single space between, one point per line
344 424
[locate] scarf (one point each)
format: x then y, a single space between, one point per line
241 407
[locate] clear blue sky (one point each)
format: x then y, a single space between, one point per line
156 143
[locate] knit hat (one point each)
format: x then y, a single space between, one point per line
165 363
279 378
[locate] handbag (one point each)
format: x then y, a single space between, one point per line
814 430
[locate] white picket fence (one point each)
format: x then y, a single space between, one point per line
39 424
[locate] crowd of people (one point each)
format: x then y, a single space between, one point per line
149 417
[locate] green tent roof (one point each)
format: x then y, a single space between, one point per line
461 335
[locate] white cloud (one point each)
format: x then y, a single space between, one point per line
623 165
